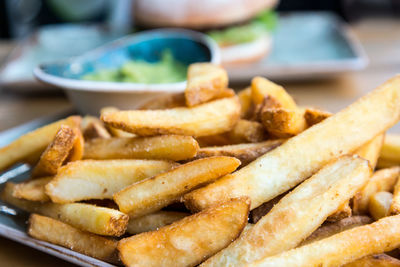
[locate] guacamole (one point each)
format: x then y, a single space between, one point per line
167 70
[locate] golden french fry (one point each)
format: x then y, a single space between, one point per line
342 212
391 148
152 194
210 118
301 156
297 214
395 206
97 220
204 82
245 102
189 241
59 233
370 151
170 147
261 88
76 152
342 248
314 116
115 132
154 221
56 152
382 180
378 260
244 152
101 179
330 229
33 143
92 128
165 102
283 123
379 204
247 132
32 190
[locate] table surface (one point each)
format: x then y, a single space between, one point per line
379 36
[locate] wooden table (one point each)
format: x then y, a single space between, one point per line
380 38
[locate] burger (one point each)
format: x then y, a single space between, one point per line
241 28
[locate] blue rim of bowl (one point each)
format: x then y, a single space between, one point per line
95 86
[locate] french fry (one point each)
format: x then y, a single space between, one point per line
379 204
370 151
314 116
391 148
165 102
59 233
297 214
32 143
246 153
152 194
115 132
301 156
210 118
213 140
189 241
154 221
101 179
92 128
32 190
283 123
395 206
330 229
170 147
261 88
56 152
97 220
342 212
342 248
246 131
378 260
245 102
204 82
382 180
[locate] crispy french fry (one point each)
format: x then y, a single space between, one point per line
247 132
154 221
382 180
76 152
152 194
391 148
92 128
165 102
395 206
32 190
297 214
189 241
339 249
115 132
261 88
210 118
283 123
244 152
378 260
314 116
98 220
33 143
101 179
342 212
59 233
301 156
171 147
56 152
379 204
204 82
330 229
370 151
245 102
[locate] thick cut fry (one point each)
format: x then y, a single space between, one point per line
261 88
64 235
152 194
370 151
204 82
247 132
283 123
379 260
189 241
101 179
245 102
56 152
382 180
246 153
342 212
115 132
165 102
395 207
339 249
92 128
297 214
206 119
330 229
379 204
301 156
154 221
98 220
169 147
314 116
391 148
32 190
33 143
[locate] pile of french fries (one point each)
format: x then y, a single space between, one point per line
213 178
